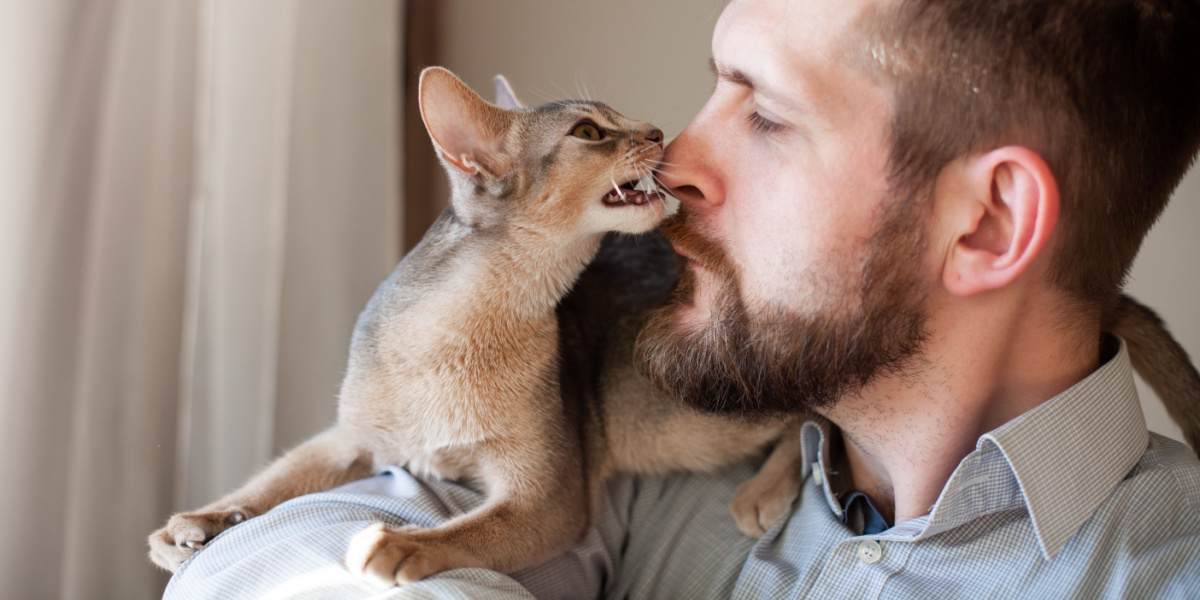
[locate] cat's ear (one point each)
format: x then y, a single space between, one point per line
467 131
506 98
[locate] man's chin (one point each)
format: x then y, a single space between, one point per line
693 349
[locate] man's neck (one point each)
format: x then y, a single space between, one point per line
983 366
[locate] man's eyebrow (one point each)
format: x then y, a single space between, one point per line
731 75
739 77
796 101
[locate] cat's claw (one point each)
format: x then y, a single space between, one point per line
187 533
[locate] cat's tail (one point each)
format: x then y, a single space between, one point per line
1161 361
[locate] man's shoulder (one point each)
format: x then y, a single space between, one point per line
1167 477
1144 538
1156 507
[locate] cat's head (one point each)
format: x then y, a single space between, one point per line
570 167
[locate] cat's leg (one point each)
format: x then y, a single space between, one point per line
327 460
531 515
769 495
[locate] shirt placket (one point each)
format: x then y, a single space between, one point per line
860 568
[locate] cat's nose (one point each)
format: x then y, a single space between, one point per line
654 136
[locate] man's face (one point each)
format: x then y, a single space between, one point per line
803 275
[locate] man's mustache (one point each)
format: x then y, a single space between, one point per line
685 235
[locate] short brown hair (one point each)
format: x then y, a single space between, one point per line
1106 91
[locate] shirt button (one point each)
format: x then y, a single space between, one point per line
816 473
870 552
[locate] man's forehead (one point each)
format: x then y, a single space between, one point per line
801 25
794 44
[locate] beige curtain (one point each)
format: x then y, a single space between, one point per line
196 198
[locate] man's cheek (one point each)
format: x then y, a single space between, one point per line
772 263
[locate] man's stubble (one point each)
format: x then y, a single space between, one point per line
782 361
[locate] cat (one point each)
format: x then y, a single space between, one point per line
453 368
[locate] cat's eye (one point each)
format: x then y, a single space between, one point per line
587 130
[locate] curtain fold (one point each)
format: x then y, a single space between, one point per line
196 198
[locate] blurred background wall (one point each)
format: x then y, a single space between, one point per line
197 197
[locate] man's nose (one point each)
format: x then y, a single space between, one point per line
688 172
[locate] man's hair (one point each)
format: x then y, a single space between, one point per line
1106 91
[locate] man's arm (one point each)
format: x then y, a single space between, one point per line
298 549
655 537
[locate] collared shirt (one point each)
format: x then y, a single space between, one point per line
1073 499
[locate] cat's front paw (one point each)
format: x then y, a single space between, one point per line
763 500
185 533
391 556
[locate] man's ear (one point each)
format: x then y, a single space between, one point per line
506 98
467 131
1003 216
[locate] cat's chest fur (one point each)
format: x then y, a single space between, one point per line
445 357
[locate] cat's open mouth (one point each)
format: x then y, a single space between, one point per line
635 192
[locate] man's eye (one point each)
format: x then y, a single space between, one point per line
586 130
761 124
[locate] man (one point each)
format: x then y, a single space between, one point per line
907 217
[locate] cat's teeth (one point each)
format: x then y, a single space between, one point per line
646 184
613 198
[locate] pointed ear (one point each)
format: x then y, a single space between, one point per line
467 131
506 98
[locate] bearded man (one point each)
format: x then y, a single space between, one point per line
908 218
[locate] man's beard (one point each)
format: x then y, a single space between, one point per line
783 362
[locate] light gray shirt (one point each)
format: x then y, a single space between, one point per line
1073 499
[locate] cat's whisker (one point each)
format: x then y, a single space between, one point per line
664 188
667 168
661 172
561 92
542 95
579 88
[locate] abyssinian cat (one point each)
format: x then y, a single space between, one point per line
453 367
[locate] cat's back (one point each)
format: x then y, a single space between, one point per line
420 284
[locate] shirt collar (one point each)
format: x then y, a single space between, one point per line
1069 453
1059 460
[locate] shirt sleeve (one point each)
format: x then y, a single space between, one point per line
655 537
297 550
